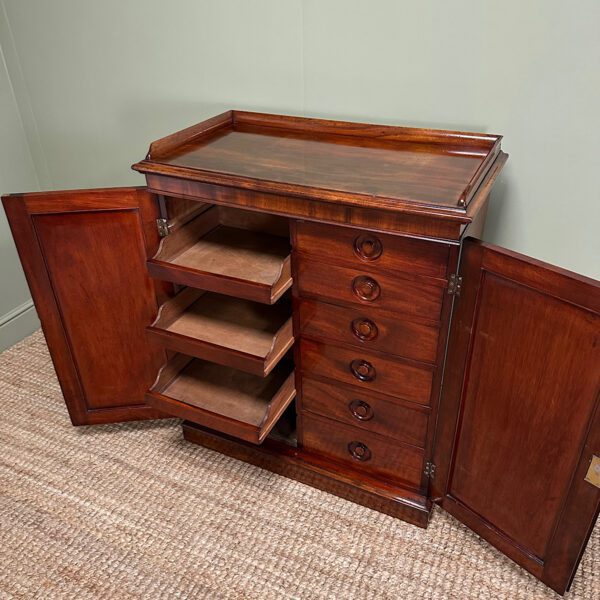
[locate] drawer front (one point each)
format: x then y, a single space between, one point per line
367 371
369 289
361 449
369 411
370 329
361 247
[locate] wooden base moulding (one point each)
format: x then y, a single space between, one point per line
285 459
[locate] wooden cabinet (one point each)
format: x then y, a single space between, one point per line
309 297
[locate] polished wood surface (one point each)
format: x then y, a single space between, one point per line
228 260
381 165
92 302
363 450
264 188
385 415
425 222
364 249
228 400
368 288
348 338
226 330
378 372
285 458
369 328
523 385
376 217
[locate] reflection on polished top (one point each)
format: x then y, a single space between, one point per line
422 166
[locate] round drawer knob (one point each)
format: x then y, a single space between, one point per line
364 329
366 288
368 247
359 451
361 410
362 370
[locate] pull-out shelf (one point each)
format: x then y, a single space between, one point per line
226 330
211 254
221 398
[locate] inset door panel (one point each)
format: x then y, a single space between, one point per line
525 379
524 404
84 255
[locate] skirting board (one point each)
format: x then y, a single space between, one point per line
18 324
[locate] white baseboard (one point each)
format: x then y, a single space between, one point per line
18 324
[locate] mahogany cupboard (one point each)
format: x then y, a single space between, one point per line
309 296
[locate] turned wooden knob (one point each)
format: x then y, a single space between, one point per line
368 247
359 451
364 329
366 288
361 410
363 370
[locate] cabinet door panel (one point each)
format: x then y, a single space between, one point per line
84 255
517 417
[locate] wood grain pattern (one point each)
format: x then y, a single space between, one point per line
524 385
396 461
332 283
311 469
230 331
231 401
228 260
93 305
418 221
406 380
397 253
292 155
382 414
387 332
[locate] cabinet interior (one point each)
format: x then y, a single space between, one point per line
228 251
228 373
226 399
256 335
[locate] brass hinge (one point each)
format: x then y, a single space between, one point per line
455 285
429 470
164 227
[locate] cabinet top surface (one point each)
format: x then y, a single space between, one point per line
314 157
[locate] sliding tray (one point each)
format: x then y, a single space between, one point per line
226 330
211 254
221 398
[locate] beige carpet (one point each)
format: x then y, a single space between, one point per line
133 511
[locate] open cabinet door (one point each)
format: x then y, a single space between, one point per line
519 422
84 255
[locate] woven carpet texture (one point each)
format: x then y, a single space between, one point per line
133 511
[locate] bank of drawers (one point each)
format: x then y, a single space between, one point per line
369 310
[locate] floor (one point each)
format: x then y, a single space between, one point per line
133 511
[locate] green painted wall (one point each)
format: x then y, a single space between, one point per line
17 172
97 81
